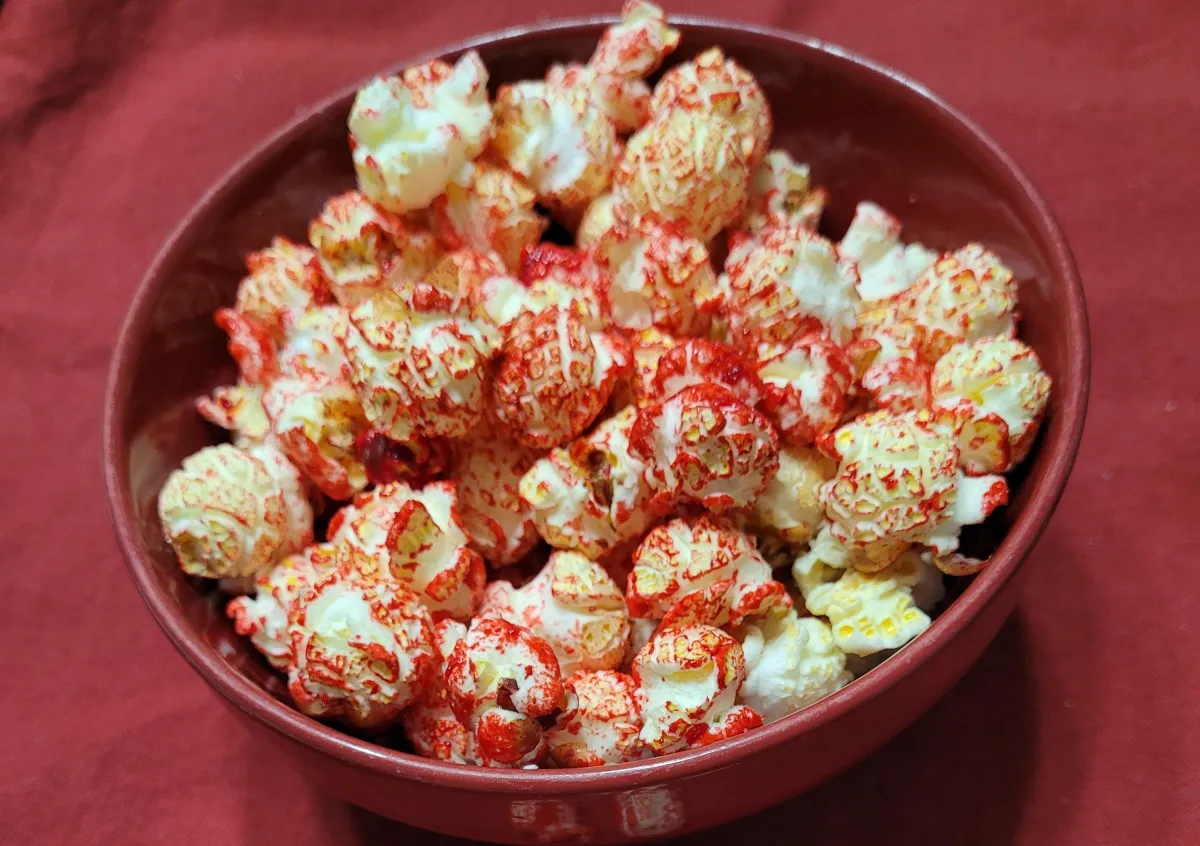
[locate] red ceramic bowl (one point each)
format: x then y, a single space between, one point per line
868 133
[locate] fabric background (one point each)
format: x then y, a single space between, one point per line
1078 726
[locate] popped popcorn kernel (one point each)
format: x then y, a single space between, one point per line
886 266
688 681
713 82
430 724
998 386
363 249
229 513
558 139
362 647
411 134
649 346
316 424
961 297
487 471
500 679
552 377
250 346
660 277
790 506
625 102
685 166
697 569
463 270
415 461
500 299
637 45
781 193
490 209
419 365
791 662
591 495
264 616
698 361
788 282
806 383
239 409
597 219
284 280
705 445
600 723
573 605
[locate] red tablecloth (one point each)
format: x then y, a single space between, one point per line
1079 726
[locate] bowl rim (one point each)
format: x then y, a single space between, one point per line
329 740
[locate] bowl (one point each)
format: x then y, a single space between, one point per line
868 133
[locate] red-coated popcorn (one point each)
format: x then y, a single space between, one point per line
419 365
696 569
790 507
362 647
559 139
698 361
410 135
284 280
896 378
597 219
463 270
886 266
688 681
230 513
898 483
591 495
782 194
660 277
417 537
786 283
363 249
963 296
573 605
649 346
552 376
264 616
239 409
500 679
806 385
487 471
791 662
416 462
600 722
713 82
705 445
490 209
685 166
501 299
999 390
430 723
637 45
250 346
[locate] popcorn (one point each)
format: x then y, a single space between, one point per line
698 361
897 483
786 283
290 482
418 364
886 267
649 346
410 135
686 166
791 662
490 209
698 569
573 605
637 45
661 277
805 385
362 647
781 194
264 616
625 102
998 387
500 679
430 723
790 506
228 513
553 376
600 722
558 139
463 270
962 297
239 409
705 445
592 494
500 300
416 461
711 82
688 681
487 471
284 280
872 612
597 219
363 249
250 346
417 537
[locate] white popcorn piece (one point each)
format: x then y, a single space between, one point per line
791 662
489 209
600 722
790 506
782 194
411 134
487 471
886 266
238 409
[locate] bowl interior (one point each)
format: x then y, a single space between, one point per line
865 135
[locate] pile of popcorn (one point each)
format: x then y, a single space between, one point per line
595 503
